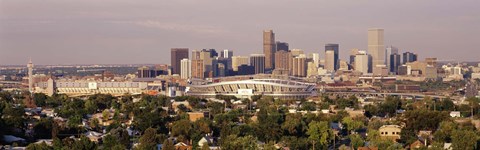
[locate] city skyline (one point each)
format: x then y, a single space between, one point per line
106 35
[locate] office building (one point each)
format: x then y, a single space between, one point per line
315 58
282 46
431 61
30 76
394 62
226 53
246 70
197 69
330 60
361 62
238 61
208 63
195 54
296 52
299 66
312 69
388 52
269 49
177 54
258 61
409 57
186 67
147 72
283 60
353 53
375 47
335 49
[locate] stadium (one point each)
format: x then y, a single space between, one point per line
286 88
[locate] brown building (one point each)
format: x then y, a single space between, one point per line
197 69
177 55
283 61
299 68
269 49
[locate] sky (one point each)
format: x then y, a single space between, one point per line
143 31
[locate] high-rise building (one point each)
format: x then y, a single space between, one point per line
226 53
299 66
329 60
208 63
312 69
431 61
186 66
375 47
282 46
394 63
409 57
30 76
197 69
238 61
147 72
361 62
283 60
335 49
269 49
315 58
353 53
388 52
195 54
296 52
246 70
258 61
177 55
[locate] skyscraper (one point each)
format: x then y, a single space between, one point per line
334 49
195 54
197 69
330 60
388 52
226 53
282 46
315 58
186 66
394 63
409 57
30 76
269 49
258 61
283 60
297 52
238 61
375 47
299 68
177 55
361 62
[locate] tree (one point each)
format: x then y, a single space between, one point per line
294 124
423 119
356 141
41 146
445 131
149 139
84 144
168 145
121 135
464 139
351 124
320 132
182 127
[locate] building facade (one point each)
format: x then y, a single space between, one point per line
177 54
269 49
335 49
186 67
258 61
376 47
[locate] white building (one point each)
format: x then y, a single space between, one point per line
186 68
361 62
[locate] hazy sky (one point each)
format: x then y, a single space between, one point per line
143 31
